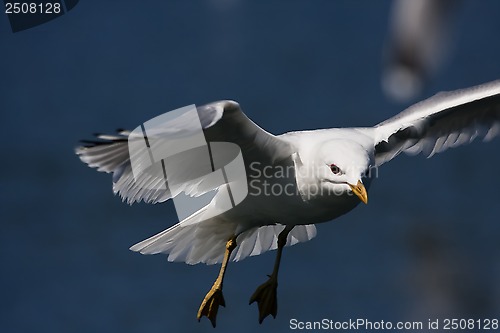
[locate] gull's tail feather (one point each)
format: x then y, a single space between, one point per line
205 242
191 241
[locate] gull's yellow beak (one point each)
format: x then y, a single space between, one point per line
360 190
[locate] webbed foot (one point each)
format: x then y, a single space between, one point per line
210 304
266 299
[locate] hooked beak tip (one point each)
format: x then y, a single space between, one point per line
360 191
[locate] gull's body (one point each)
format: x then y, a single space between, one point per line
338 162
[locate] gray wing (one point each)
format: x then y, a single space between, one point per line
222 121
446 120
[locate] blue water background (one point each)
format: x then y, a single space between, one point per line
426 246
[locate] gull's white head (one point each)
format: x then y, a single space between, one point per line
338 167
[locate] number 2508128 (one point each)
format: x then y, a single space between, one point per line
32 8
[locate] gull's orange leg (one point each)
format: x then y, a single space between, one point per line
214 298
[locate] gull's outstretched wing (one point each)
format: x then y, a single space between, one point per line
221 121
448 119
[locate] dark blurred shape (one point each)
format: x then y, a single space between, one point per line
25 15
445 280
418 42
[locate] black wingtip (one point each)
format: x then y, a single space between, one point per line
93 143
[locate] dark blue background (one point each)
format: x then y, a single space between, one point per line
426 246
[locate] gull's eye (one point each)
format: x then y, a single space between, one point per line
335 169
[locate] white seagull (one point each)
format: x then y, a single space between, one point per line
315 176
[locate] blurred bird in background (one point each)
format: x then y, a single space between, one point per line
420 38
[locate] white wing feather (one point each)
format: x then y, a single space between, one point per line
221 121
446 120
